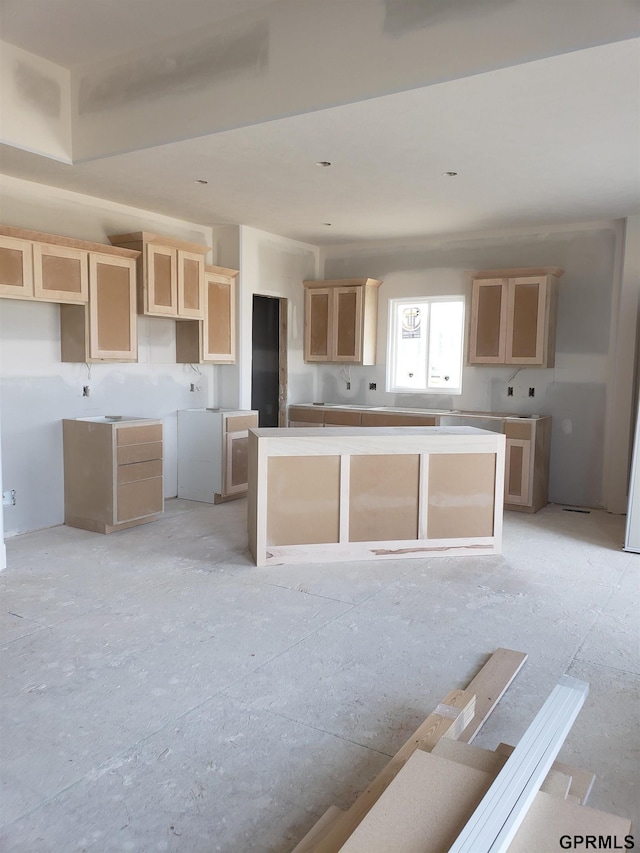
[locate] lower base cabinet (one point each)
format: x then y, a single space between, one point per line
113 472
526 478
212 453
322 495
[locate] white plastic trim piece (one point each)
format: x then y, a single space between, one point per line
497 818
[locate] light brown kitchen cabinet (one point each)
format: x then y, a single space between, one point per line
43 267
112 472
526 479
340 320
106 329
212 453
212 340
513 317
170 274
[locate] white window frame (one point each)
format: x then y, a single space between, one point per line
392 345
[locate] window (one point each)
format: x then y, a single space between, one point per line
424 345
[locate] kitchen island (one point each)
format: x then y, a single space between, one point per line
353 493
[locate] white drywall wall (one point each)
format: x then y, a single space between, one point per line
36 103
275 266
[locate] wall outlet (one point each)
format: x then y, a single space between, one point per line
510 391
532 392
86 391
194 387
9 497
372 386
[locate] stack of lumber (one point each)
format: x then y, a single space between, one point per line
437 784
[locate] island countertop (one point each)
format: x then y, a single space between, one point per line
352 493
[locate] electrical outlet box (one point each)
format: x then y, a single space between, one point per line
532 392
9 497
510 391
372 386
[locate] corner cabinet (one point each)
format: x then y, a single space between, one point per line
170 274
212 340
513 317
340 320
212 453
112 472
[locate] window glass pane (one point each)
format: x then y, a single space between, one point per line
445 345
425 345
411 328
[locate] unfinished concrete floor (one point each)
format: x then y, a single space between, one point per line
161 693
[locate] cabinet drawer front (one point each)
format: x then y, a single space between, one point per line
138 499
309 416
237 423
139 471
381 419
139 452
342 418
139 434
519 429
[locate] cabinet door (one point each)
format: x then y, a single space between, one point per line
162 281
112 308
60 273
190 285
236 454
526 320
517 478
317 324
489 305
219 342
16 268
347 324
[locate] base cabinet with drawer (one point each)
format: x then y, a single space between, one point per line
212 453
113 472
526 477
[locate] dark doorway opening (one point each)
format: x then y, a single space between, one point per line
269 360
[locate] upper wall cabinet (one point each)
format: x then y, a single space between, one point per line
212 340
106 329
513 317
170 275
340 320
41 266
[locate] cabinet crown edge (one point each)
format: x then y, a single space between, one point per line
69 242
343 282
148 237
520 272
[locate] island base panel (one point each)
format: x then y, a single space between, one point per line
303 503
461 495
383 497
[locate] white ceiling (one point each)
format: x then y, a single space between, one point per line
552 140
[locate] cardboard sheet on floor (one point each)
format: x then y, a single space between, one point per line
427 805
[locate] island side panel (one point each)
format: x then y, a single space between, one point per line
461 498
383 497
303 500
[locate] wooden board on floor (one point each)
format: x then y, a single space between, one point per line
556 782
490 685
424 738
429 802
581 780
318 830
